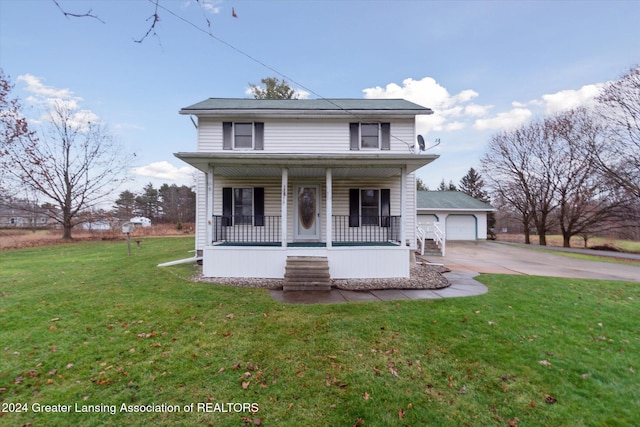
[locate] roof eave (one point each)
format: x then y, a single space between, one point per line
302 113
201 161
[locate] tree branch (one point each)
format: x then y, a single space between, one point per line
77 15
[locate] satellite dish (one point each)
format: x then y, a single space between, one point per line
421 142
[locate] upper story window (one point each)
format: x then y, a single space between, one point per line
370 136
243 135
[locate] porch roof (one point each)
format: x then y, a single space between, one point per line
262 164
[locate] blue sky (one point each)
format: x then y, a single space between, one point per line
483 66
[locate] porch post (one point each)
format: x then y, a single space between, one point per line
329 179
209 204
283 207
403 202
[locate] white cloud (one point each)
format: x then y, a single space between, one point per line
429 93
476 110
35 86
567 99
49 98
164 170
506 120
211 6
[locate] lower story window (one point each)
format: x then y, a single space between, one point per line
243 205
370 206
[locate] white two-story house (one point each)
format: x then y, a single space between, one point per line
325 178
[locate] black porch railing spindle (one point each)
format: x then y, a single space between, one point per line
243 229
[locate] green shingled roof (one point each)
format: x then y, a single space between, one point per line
325 104
450 200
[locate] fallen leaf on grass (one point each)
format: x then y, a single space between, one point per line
545 363
550 399
230 316
400 414
366 396
245 384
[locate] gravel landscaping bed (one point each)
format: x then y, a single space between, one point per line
422 276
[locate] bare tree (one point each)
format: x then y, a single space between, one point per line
13 125
517 169
585 198
154 19
619 155
71 165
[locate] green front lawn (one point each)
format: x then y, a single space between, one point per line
84 326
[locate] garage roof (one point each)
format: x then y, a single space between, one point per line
450 200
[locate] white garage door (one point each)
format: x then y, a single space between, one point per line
461 227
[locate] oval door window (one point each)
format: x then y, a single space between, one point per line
307 207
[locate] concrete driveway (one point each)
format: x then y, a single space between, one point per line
504 258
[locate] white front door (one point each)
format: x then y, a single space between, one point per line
307 210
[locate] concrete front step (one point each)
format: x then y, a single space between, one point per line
307 274
431 248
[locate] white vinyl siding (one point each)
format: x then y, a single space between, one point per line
305 135
201 211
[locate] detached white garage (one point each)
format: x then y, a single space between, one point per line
460 216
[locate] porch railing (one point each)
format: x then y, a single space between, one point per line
365 229
247 229
266 229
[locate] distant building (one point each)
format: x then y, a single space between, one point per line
23 214
140 221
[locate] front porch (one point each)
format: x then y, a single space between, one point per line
357 211
372 250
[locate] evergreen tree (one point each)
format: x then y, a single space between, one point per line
420 185
445 187
125 205
147 202
473 185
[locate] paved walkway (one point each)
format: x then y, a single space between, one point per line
462 285
468 259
